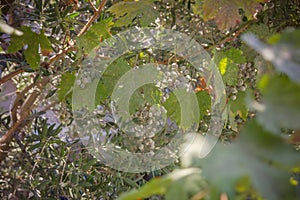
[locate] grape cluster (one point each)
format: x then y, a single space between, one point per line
247 74
175 77
150 131
139 144
246 79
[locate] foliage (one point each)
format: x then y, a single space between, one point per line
280 104
129 12
227 62
65 87
257 155
227 13
98 32
34 42
255 45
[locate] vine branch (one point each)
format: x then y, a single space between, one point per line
93 18
9 76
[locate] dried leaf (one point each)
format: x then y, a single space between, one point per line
226 12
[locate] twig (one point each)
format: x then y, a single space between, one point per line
92 5
61 54
36 163
18 101
236 33
9 76
5 140
28 104
93 18
23 149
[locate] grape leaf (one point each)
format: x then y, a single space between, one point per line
109 79
66 85
128 12
288 37
239 106
280 98
259 155
185 188
261 30
226 12
96 33
204 102
173 106
34 42
145 94
227 62
159 185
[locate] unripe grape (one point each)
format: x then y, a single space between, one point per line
233 97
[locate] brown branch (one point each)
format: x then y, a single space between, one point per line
68 49
54 58
93 18
9 76
235 34
92 5
28 104
18 101
51 61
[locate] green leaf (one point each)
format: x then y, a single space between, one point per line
280 98
227 62
197 7
288 37
89 164
226 12
153 187
239 106
231 71
109 79
159 186
185 188
259 155
204 102
66 85
261 30
34 42
145 94
97 32
128 12
173 108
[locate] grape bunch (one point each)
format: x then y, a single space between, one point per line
247 75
